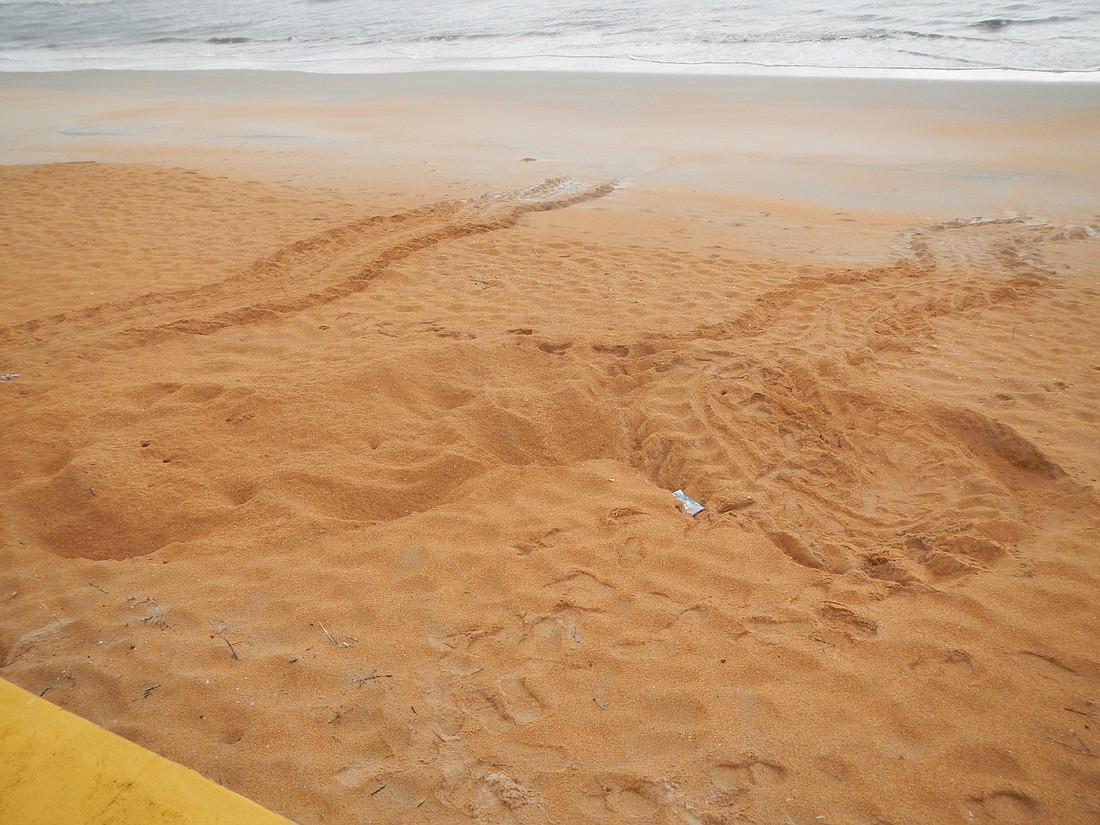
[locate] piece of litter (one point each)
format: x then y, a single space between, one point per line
7 376
691 507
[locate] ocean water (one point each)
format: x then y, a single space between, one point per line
651 35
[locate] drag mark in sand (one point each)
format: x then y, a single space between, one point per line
309 272
336 257
779 411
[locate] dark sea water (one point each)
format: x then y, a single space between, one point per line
685 35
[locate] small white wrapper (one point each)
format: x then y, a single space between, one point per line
691 507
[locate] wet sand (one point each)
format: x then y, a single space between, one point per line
338 462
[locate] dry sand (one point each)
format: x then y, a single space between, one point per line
339 469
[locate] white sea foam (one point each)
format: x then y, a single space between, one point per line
712 36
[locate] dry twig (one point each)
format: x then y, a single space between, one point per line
1077 747
334 642
63 676
156 617
359 680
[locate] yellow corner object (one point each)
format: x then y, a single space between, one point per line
59 769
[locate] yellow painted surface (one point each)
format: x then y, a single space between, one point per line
59 769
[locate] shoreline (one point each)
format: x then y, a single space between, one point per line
570 65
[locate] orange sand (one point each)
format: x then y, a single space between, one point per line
357 501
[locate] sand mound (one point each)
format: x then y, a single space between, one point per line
368 517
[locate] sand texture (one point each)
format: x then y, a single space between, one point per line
362 508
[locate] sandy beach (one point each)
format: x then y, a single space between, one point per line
342 414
